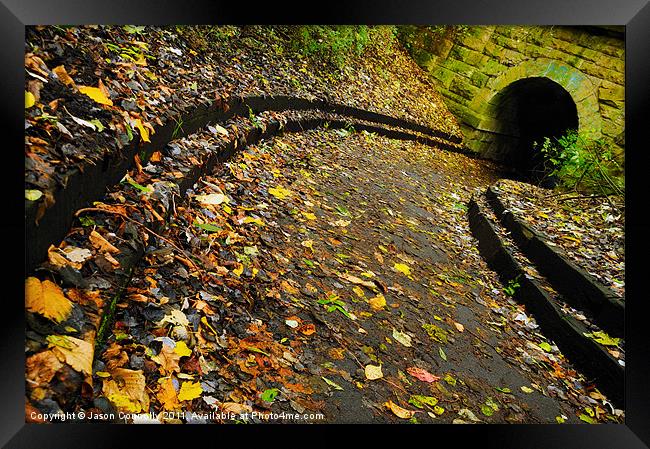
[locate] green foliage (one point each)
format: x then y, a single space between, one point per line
584 164
424 41
333 45
203 37
511 288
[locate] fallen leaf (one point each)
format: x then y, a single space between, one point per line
144 132
402 338
526 389
33 195
181 349
212 198
126 389
96 95
30 100
403 268
459 326
422 374
167 395
443 356
63 76
101 243
378 302
168 358
73 351
373 372
47 299
332 383
270 394
420 401
307 329
189 391
78 255
175 317
40 368
279 192
399 411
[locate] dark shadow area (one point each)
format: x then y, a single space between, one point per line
527 111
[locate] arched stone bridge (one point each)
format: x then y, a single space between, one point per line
512 85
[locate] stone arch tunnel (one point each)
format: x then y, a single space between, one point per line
523 114
512 85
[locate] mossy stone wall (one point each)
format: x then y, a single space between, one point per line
470 68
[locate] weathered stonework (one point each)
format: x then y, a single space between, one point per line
473 67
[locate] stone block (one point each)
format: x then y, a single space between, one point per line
612 94
463 87
615 114
459 67
474 43
444 76
492 67
467 55
479 79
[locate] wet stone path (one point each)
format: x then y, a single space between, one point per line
337 276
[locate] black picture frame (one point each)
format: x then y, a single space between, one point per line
16 14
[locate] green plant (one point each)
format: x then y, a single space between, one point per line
334 45
513 285
583 164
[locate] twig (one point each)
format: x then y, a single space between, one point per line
97 209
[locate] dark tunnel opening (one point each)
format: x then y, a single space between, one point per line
527 111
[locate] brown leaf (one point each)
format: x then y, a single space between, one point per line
47 299
73 351
63 76
41 368
101 243
168 359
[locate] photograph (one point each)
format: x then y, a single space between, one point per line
325 224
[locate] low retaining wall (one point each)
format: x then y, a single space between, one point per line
567 332
83 187
577 287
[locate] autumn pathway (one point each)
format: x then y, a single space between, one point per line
338 276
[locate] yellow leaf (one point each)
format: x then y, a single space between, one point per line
378 302
239 270
399 411
189 391
403 268
373 372
358 291
167 394
257 221
126 389
309 215
47 299
30 100
308 244
279 192
144 132
181 349
96 94
73 351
